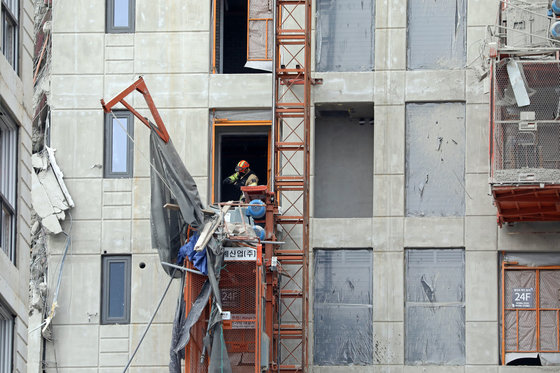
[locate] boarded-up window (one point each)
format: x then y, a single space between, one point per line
435 307
345 40
437 34
343 163
343 307
435 159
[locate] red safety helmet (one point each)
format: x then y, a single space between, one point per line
242 166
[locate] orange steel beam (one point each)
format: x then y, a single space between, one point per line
141 87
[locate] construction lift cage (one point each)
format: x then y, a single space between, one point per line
526 122
241 289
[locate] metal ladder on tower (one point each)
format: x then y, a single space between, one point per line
292 83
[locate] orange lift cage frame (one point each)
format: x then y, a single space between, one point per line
216 123
243 332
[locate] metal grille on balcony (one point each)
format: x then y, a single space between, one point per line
525 134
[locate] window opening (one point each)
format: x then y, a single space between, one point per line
435 159
120 16
345 35
436 33
235 141
243 34
343 160
8 184
10 34
343 307
7 321
435 307
119 149
115 288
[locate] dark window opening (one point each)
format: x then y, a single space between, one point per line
231 38
234 147
343 160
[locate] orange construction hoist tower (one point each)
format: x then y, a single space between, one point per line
266 300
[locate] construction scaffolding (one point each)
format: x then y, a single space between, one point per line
292 85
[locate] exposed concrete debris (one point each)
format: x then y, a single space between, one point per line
49 193
50 197
41 73
528 174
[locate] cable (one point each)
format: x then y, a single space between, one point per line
59 280
149 323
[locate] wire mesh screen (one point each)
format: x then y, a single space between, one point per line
238 286
526 122
238 290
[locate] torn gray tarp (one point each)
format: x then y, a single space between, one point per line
171 183
345 38
435 307
214 340
437 34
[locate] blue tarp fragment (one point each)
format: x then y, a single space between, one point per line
197 258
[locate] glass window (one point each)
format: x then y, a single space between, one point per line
8 165
10 35
435 159
115 297
437 34
118 145
6 339
343 307
435 307
120 16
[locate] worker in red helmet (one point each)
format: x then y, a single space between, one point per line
243 176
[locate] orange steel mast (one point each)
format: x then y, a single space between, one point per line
292 83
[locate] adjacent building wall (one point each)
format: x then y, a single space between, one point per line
16 94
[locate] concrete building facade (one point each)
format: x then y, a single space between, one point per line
16 113
399 172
